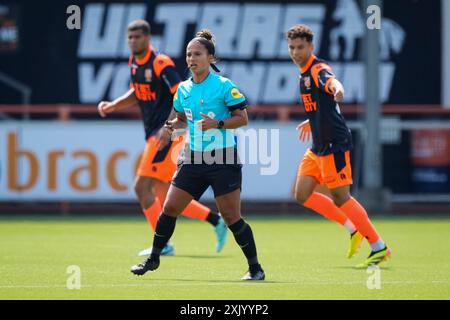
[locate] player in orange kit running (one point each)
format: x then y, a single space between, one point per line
328 160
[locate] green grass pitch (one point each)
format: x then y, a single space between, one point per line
303 259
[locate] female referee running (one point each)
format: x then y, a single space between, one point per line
211 106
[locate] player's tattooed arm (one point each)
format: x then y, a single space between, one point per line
127 100
165 133
172 115
179 122
176 121
337 89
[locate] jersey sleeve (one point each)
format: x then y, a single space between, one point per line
171 78
233 98
177 102
160 63
164 68
322 76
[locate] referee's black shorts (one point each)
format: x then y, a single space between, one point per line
195 177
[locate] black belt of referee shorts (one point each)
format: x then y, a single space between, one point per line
216 156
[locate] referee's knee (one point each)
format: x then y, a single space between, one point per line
171 210
231 217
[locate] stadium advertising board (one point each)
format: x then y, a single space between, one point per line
48 161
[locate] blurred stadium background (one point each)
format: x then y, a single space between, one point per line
56 152
58 157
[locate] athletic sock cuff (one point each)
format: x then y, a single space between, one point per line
213 218
165 218
238 227
346 203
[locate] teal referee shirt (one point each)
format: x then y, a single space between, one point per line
215 96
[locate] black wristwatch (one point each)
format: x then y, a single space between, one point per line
220 124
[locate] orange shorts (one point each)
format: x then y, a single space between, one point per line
160 164
333 170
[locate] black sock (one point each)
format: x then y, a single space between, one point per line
163 232
244 237
213 218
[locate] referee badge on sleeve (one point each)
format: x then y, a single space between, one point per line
235 93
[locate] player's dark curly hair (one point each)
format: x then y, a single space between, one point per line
300 31
206 38
139 25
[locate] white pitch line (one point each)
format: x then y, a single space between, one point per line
327 283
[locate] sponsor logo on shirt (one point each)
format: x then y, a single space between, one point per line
148 75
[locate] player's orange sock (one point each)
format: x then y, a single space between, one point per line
196 210
359 217
326 207
152 213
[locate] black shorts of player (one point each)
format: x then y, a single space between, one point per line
195 177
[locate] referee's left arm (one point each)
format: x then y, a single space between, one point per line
239 118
